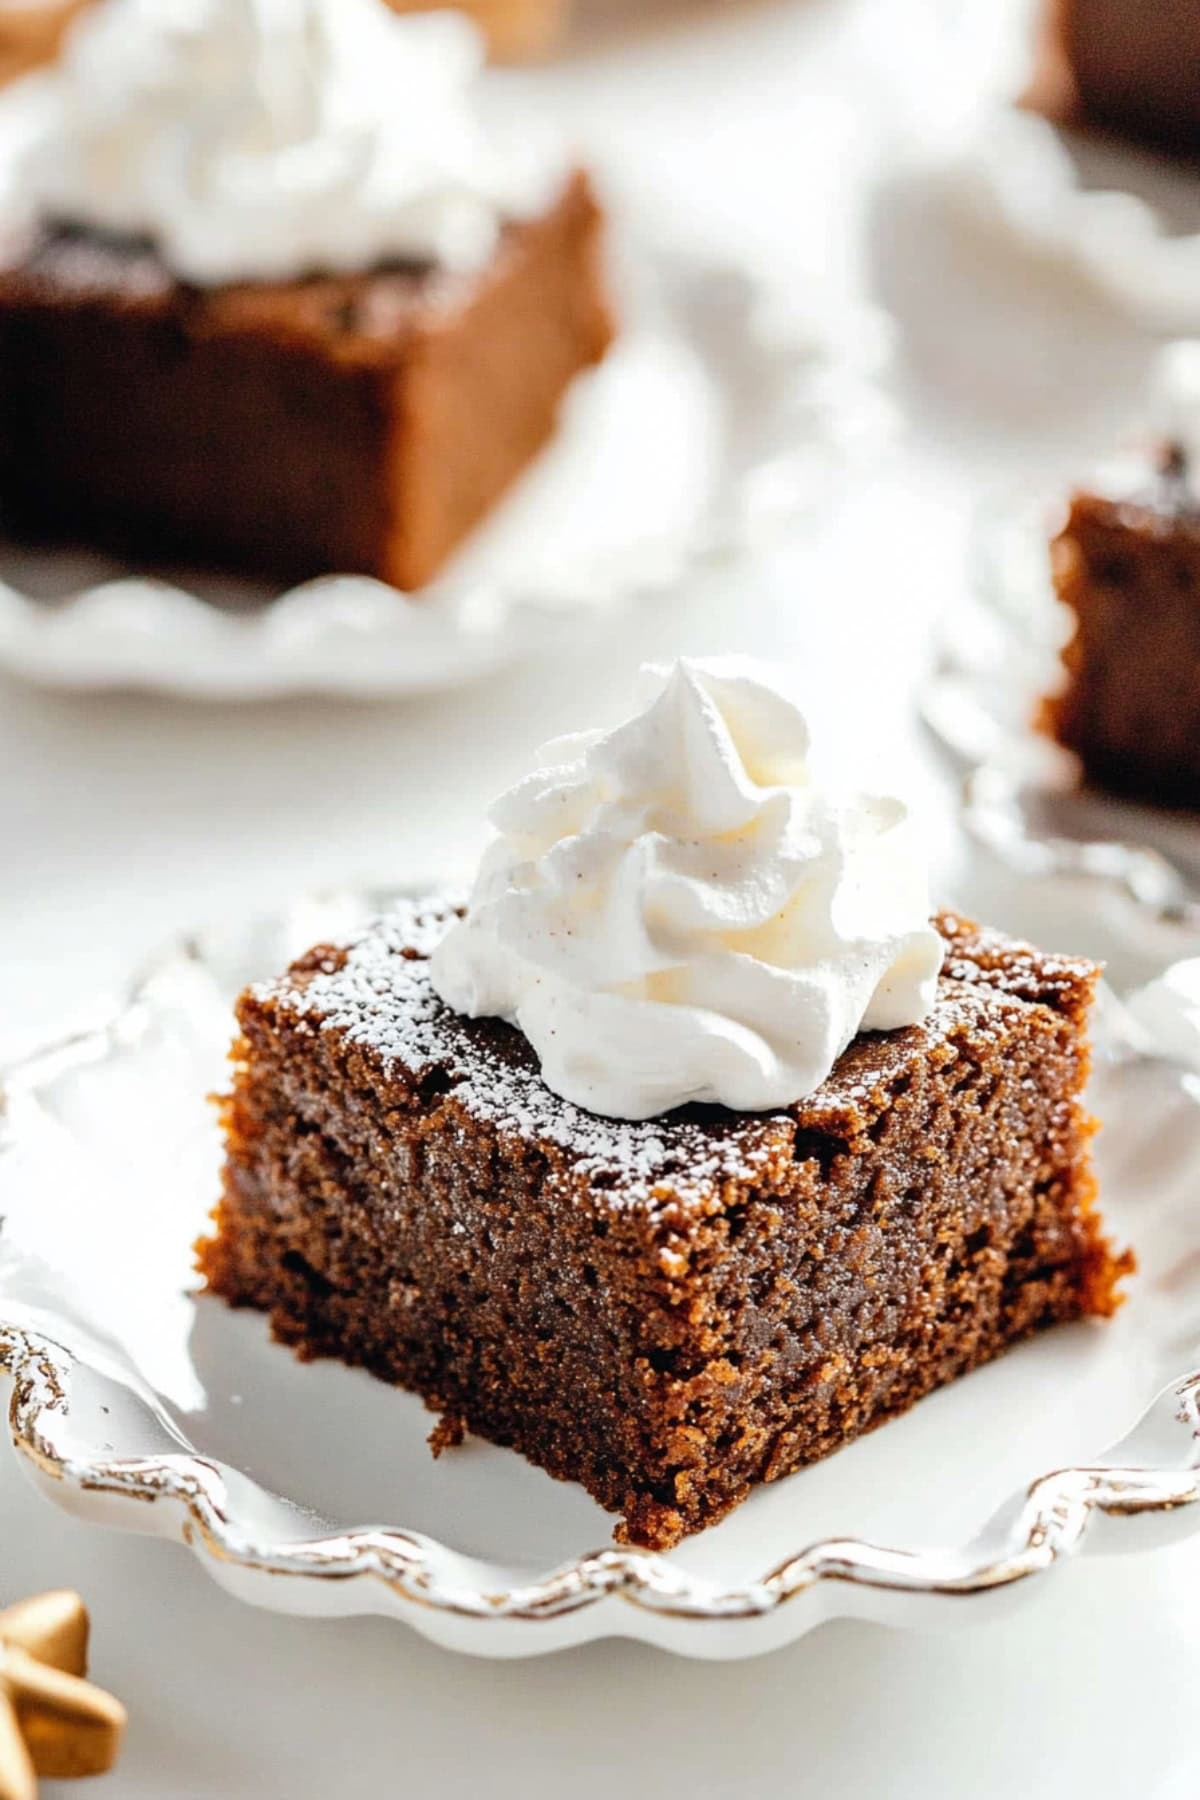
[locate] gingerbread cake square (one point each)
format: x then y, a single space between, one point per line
356 423
1126 564
671 1311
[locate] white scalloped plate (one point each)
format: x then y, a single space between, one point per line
138 1403
1124 220
716 418
1063 259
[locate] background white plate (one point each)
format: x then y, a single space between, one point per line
1062 261
719 415
139 1404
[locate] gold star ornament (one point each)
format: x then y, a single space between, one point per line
52 1721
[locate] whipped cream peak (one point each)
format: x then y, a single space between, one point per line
674 911
257 140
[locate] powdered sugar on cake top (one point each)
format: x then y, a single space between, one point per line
375 991
679 911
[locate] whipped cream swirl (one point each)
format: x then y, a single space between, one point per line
259 140
674 912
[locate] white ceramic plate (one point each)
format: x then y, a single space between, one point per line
137 1403
1127 221
1063 261
717 417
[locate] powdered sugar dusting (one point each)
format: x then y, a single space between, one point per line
376 992
1009 966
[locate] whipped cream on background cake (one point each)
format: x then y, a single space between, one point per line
673 911
268 139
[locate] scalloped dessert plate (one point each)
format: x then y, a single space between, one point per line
1060 253
139 1403
715 419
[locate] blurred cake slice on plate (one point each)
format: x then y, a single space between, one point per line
314 319
1126 565
1127 66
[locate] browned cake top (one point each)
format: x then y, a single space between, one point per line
368 317
376 992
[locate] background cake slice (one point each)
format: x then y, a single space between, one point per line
354 423
1126 564
670 1311
1127 66
284 300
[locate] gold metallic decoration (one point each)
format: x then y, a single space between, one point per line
52 1721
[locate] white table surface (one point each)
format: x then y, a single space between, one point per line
124 819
